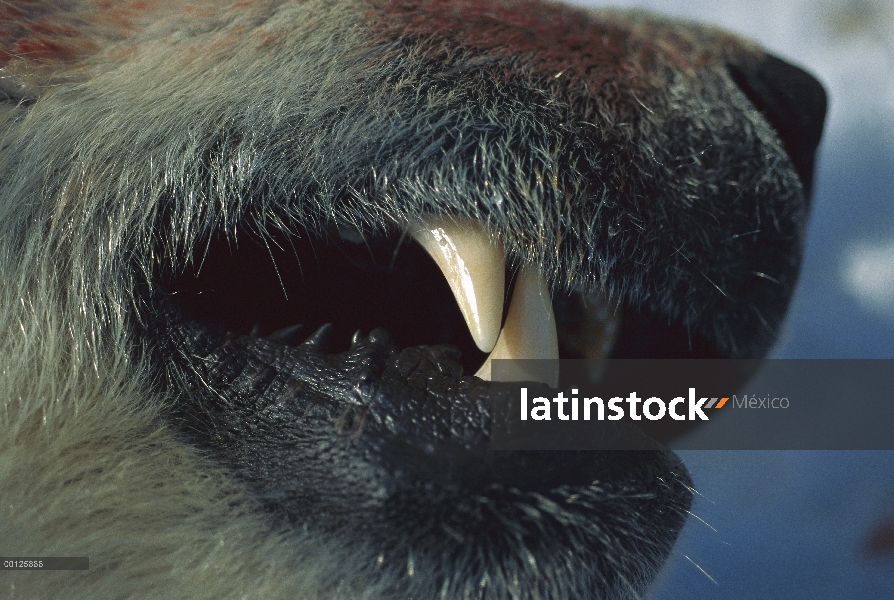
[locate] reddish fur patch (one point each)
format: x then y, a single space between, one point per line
30 30
123 14
547 38
62 32
43 50
268 39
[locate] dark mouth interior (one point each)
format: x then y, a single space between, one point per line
253 285
261 286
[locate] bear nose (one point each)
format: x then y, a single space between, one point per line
794 103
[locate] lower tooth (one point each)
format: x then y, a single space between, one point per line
529 333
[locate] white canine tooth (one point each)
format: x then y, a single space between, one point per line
474 266
529 332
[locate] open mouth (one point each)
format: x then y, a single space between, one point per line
440 281
366 417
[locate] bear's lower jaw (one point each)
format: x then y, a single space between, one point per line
388 452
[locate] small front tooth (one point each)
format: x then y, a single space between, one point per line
529 332
474 266
320 338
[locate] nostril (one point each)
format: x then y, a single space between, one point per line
794 103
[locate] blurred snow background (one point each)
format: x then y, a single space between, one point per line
793 524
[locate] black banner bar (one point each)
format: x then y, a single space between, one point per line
772 404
